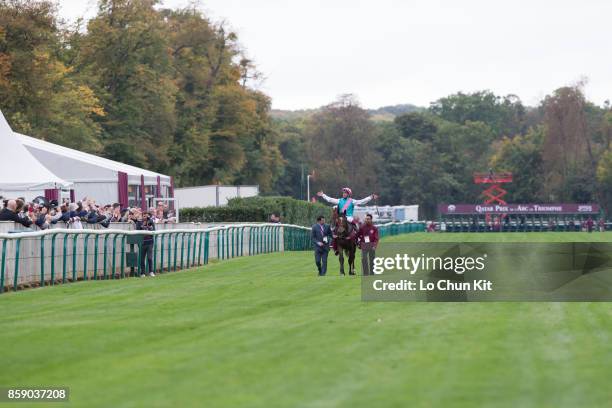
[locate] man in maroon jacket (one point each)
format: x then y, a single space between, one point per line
367 239
589 224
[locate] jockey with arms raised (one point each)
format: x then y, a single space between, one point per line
346 204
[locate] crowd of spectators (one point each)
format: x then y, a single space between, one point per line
43 214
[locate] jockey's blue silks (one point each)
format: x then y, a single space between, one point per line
346 204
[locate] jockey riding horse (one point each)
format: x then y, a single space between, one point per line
346 206
344 240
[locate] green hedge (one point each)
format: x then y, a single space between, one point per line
258 209
222 214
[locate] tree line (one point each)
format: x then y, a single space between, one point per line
558 151
171 90
153 87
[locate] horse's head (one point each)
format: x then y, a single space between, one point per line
342 226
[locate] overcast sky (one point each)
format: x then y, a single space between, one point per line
393 51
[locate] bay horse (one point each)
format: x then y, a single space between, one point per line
345 235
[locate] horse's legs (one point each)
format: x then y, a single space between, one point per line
351 260
341 259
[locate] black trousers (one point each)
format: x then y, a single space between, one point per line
321 260
146 252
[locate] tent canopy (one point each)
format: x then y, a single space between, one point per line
78 166
20 170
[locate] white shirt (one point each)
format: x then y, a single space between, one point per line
337 200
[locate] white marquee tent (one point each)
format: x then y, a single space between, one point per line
105 180
21 175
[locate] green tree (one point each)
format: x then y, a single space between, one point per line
207 104
125 56
341 140
567 149
462 150
433 166
505 115
292 178
40 95
264 160
521 155
416 125
425 180
224 133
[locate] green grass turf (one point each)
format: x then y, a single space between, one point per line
265 331
503 237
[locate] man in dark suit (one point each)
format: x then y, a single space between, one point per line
145 223
321 238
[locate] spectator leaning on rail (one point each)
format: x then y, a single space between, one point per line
97 215
74 219
153 215
144 222
116 213
43 218
161 212
25 211
65 212
9 213
44 213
